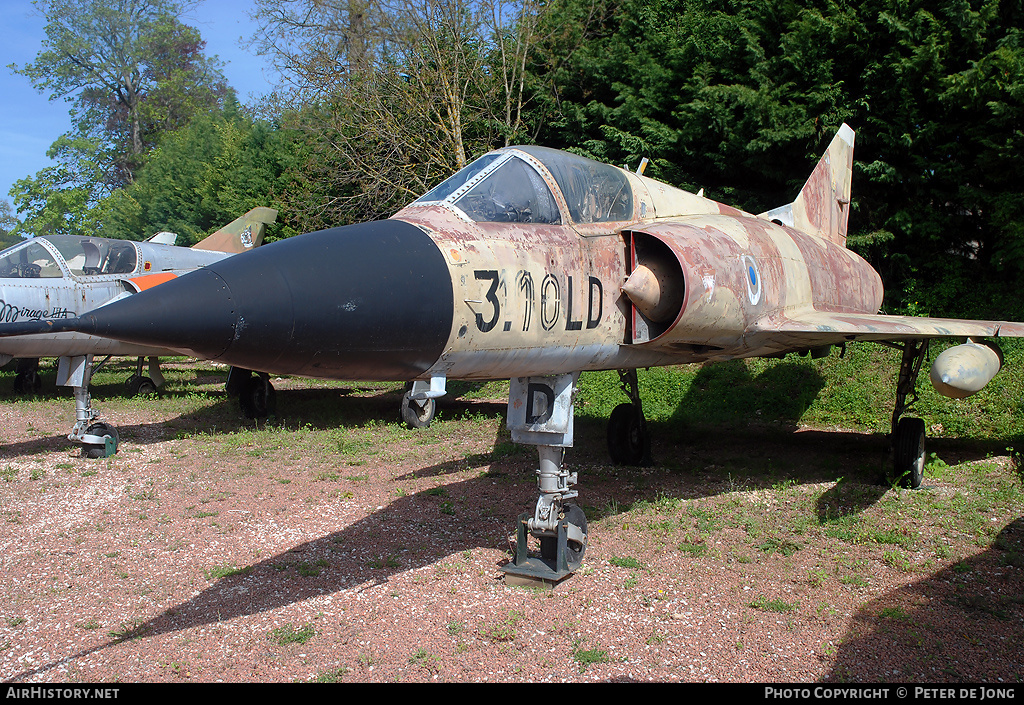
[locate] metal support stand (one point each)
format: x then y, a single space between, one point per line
526 569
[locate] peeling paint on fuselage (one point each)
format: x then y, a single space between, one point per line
535 299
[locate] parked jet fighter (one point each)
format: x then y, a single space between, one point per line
57 277
536 265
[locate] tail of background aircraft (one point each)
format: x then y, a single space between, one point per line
823 206
241 234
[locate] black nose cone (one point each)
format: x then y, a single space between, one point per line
368 301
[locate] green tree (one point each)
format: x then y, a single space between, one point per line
395 95
201 177
720 95
132 72
129 68
8 224
59 198
935 185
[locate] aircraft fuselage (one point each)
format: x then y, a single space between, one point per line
544 299
528 262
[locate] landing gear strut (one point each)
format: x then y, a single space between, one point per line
419 401
540 413
907 434
98 438
256 395
629 442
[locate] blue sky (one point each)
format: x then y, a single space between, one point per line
30 122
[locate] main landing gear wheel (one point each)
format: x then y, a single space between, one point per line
413 414
257 397
907 434
908 448
101 450
137 385
574 549
628 439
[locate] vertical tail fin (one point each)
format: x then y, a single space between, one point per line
823 206
240 234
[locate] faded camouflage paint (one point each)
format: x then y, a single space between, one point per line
529 299
792 272
822 207
534 299
544 299
241 234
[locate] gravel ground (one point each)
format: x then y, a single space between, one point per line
182 559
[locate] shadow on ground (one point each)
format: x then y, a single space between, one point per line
932 630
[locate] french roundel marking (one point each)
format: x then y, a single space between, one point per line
753 279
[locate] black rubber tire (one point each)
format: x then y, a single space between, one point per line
257 398
574 550
99 428
628 442
137 385
414 415
909 453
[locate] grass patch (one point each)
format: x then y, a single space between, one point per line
505 629
585 658
693 549
424 659
288 634
783 546
224 571
626 562
766 604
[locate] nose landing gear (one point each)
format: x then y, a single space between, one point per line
540 413
98 438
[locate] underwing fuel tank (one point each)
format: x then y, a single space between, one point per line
965 369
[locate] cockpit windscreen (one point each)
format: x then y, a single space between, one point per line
457 180
33 261
512 193
87 256
501 187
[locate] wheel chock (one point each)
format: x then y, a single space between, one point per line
534 570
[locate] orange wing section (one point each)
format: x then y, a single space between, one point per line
148 281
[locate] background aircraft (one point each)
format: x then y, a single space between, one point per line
61 276
535 265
